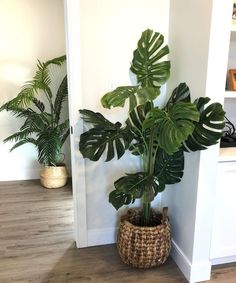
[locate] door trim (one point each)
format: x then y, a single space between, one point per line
72 31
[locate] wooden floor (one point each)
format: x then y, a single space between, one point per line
37 246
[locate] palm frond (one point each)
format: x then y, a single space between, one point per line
42 74
61 96
63 127
39 104
64 131
56 61
49 147
65 136
40 127
22 100
37 122
22 142
41 79
19 135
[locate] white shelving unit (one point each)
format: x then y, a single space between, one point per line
223 244
227 154
230 94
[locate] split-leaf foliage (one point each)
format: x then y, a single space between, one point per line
158 135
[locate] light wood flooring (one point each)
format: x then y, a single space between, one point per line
37 246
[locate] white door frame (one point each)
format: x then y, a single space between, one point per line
72 31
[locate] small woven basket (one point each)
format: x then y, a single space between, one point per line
53 177
144 247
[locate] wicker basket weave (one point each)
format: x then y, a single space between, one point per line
144 247
53 177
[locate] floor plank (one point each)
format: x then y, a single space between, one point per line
37 245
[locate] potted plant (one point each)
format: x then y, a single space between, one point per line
42 124
159 136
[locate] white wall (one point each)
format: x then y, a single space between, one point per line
109 31
196 37
29 29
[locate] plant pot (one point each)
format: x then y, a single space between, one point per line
53 177
144 247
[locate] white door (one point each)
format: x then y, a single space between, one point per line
75 103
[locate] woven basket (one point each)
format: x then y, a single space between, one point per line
144 247
53 177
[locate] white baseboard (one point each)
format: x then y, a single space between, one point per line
17 175
223 260
24 174
104 236
194 272
181 260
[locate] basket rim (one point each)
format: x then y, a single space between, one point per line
144 228
125 219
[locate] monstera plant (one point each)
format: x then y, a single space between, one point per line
39 106
160 136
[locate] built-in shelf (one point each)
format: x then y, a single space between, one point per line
227 154
230 94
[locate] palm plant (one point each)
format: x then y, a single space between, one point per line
159 136
42 124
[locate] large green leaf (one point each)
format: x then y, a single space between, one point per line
94 118
208 130
180 93
135 121
169 168
173 127
118 199
147 62
118 97
104 137
148 94
133 186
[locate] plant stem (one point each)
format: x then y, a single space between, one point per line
149 161
150 154
51 105
146 213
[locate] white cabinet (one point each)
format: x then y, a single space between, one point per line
230 96
223 248
223 245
